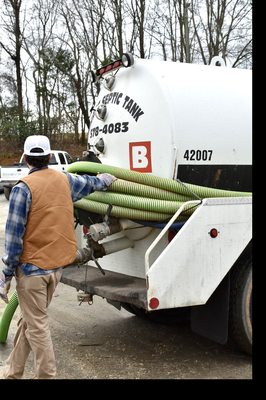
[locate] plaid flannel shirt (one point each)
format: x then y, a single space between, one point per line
19 206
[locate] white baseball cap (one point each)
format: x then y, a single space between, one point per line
37 145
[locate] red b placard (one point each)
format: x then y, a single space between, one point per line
140 156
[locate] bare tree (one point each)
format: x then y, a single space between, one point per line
179 30
170 25
116 9
40 46
157 31
223 27
11 19
78 73
65 39
138 14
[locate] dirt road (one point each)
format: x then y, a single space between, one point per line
101 342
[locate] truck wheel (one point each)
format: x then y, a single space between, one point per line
240 314
7 191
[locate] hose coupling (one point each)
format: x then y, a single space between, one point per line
83 255
102 230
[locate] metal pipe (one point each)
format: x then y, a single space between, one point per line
117 245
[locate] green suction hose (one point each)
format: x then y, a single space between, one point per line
151 180
7 316
136 202
137 189
120 212
141 196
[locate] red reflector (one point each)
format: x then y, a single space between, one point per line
154 303
213 233
85 230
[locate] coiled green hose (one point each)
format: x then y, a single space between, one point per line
137 189
120 212
168 184
7 316
141 196
137 202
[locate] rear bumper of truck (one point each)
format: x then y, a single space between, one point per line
113 286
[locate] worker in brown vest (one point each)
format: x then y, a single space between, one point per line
40 240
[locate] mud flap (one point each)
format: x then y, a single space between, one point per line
211 319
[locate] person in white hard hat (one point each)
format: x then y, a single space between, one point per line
39 241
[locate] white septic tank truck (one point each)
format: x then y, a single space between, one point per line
190 124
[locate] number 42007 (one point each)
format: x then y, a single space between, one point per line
198 155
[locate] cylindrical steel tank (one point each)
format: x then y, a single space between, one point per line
177 120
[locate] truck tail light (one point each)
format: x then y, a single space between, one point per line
154 303
110 67
126 61
213 233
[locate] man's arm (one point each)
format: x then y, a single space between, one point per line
19 205
82 185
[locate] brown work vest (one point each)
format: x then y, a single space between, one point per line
49 240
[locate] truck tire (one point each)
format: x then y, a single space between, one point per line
240 313
7 191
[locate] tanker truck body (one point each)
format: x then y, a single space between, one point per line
190 123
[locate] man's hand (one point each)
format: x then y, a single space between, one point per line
5 282
108 179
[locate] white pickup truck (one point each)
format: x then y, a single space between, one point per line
9 175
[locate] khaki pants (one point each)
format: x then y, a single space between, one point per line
33 334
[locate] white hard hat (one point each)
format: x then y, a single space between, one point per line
37 145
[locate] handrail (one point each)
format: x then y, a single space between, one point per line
161 234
